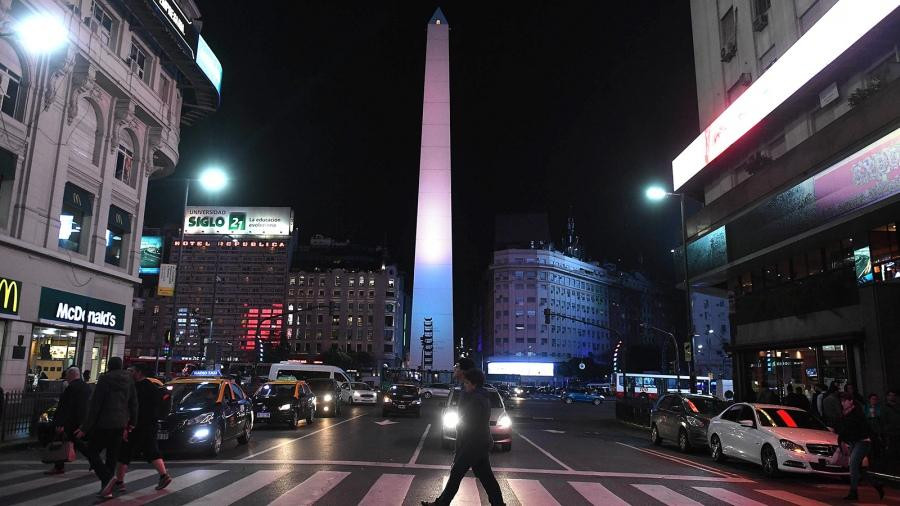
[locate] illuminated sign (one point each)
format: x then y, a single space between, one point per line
521 368
833 34
238 220
862 259
151 254
10 292
173 13
57 306
209 64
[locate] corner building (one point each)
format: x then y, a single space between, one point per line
797 163
84 129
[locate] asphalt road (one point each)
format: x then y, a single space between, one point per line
561 454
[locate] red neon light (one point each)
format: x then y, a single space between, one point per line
786 417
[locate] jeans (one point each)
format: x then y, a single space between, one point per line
481 467
104 439
858 452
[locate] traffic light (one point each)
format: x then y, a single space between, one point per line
546 316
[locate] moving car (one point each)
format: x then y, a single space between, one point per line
779 438
436 390
581 395
284 401
207 409
402 398
301 370
683 418
358 393
328 396
501 423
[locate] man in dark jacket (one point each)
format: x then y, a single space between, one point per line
142 439
797 399
70 411
473 442
113 411
853 431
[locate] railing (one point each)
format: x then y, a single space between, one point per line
20 411
634 410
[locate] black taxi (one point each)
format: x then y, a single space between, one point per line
207 409
284 401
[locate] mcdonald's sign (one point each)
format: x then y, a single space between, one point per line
10 294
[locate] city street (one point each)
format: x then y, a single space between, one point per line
561 454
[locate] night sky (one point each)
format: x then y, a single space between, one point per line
553 104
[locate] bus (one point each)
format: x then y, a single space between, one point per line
650 386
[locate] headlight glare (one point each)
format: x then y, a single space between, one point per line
451 419
327 398
387 399
284 407
504 422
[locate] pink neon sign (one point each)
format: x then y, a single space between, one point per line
833 34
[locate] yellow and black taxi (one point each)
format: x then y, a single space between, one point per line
284 401
207 409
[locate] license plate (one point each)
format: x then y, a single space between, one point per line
263 415
162 435
401 407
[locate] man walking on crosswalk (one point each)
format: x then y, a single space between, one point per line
473 442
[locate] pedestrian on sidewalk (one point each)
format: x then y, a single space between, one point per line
767 396
854 432
70 412
797 399
142 438
831 405
473 442
113 411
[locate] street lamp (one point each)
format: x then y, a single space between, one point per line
41 33
657 194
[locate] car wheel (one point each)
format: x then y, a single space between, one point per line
684 444
568 400
769 462
715 449
216 445
293 423
427 395
654 436
597 402
244 438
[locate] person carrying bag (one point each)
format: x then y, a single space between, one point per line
70 412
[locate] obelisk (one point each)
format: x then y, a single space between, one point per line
433 274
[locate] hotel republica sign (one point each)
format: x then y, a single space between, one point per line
10 294
58 306
237 221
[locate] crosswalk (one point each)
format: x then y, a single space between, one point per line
305 485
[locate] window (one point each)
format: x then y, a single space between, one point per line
10 73
388 308
728 34
138 61
165 85
76 211
124 159
118 228
389 321
101 24
7 175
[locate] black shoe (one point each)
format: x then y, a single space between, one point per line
880 488
119 487
164 481
106 491
852 496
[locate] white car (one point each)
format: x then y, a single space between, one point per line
779 438
501 423
358 393
435 390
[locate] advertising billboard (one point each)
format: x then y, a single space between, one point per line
151 254
209 63
167 275
521 368
238 221
863 261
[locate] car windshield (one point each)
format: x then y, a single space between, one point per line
703 405
194 396
270 390
404 390
360 386
302 375
321 385
792 418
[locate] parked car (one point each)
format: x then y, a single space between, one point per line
328 396
779 438
358 393
581 395
402 398
284 401
206 411
501 423
683 418
436 390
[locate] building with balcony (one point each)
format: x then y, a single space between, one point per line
83 130
796 163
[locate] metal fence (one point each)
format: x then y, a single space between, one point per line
20 412
634 410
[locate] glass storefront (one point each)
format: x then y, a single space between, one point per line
804 367
52 351
100 354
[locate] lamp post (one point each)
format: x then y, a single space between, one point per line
656 194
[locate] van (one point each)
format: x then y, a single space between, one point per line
304 371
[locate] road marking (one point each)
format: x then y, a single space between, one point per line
554 431
15 488
390 488
531 493
729 497
311 490
666 495
467 495
415 454
240 489
248 457
545 452
72 493
386 422
597 494
681 461
799 500
542 418
10 475
150 494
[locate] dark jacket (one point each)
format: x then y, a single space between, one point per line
767 396
73 406
797 400
852 427
890 419
831 408
148 404
114 404
473 435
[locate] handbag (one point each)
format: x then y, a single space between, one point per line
58 450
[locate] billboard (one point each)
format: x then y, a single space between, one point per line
238 221
167 275
151 254
209 64
863 261
521 368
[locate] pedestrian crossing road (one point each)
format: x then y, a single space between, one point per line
223 484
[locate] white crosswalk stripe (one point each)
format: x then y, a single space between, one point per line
799 500
11 475
597 494
25 486
666 495
311 490
389 488
729 497
239 489
150 494
71 493
467 494
531 493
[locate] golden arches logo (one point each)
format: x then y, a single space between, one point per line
9 289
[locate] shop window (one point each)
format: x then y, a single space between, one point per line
118 231
883 243
74 220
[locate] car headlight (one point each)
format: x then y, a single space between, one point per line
696 422
199 419
387 399
284 407
792 446
504 422
518 390
327 398
355 394
451 419
417 401
45 418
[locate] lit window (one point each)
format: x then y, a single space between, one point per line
124 161
73 220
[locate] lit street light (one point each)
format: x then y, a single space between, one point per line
213 179
41 33
656 193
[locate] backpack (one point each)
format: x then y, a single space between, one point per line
164 406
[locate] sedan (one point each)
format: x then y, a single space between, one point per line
358 393
284 401
328 396
779 438
581 395
501 423
683 418
436 390
402 399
